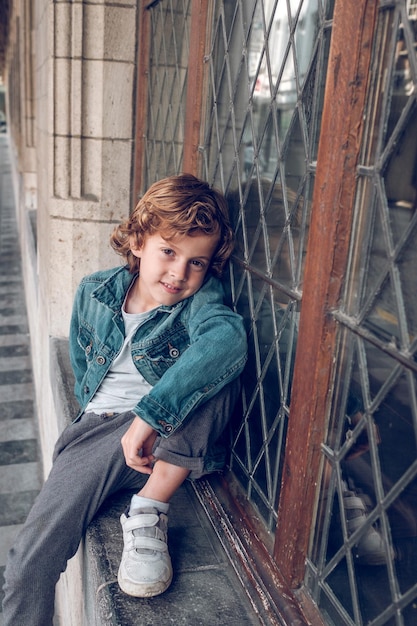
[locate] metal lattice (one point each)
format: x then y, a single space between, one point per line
267 66
371 451
167 83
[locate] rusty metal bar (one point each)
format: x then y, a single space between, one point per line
195 99
332 209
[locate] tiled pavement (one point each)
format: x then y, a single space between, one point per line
20 471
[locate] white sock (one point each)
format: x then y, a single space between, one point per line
140 502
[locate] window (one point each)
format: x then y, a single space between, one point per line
363 567
323 273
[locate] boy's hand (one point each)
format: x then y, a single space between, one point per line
137 444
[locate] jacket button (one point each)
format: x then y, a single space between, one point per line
100 360
168 428
86 389
174 353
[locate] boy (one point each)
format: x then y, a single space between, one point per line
156 356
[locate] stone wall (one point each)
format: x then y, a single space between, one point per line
70 78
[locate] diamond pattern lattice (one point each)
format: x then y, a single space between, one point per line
170 23
372 446
267 65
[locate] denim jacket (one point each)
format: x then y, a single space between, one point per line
187 351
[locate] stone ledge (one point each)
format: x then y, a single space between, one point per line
205 589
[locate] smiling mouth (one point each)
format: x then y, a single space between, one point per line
171 288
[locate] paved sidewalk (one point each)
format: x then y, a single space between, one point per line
20 470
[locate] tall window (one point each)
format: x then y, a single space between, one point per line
262 130
363 562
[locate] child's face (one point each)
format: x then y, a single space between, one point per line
171 271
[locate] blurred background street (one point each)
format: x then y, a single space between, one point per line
20 471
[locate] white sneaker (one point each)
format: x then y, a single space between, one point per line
145 569
370 549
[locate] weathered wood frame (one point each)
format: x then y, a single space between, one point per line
326 261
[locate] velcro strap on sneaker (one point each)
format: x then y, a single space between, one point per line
141 521
353 502
149 543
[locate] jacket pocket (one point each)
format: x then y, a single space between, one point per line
163 352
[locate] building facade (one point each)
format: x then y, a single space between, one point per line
304 113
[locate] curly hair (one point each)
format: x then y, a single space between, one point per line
176 206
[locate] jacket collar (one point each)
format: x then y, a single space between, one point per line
112 290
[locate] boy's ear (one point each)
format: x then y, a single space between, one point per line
134 248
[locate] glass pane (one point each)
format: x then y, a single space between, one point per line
167 81
267 65
366 536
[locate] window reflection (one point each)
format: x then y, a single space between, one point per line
267 66
272 320
366 548
278 67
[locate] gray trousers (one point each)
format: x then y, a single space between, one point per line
89 467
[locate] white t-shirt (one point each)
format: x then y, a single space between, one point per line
123 386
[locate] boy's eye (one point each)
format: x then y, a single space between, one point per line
197 264
167 251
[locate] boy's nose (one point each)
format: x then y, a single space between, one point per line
179 271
